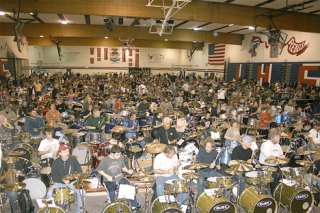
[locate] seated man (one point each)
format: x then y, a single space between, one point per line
49 146
96 124
132 126
63 166
166 167
111 168
34 124
167 134
208 155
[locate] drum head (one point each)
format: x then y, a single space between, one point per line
133 150
51 210
36 188
117 207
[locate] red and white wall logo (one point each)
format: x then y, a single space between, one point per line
264 73
308 74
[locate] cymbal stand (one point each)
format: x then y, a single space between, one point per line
280 193
191 207
147 199
2 204
81 191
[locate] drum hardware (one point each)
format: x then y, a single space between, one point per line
133 152
82 185
76 176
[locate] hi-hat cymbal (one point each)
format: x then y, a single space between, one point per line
69 131
304 163
148 179
118 129
230 171
197 166
155 148
276 160
15 153
82 185
191 175
268 168
240 165
15 187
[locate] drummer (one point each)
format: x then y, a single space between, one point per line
96 124
63 166
166 167
34 124
167 134
111 168
49 146
271 149
208 155
232 136
4 174
131 124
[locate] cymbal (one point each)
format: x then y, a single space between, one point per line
82 184
148 179
191 175
308 152
14 187
134 149
146 128
230 171
197 166
304 163
76 176
201 127
276 160
69 131
15 153
140 174
10 160
240 165
118 129
155 148
195 134
268 168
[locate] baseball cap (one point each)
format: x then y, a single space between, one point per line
247 139
63 147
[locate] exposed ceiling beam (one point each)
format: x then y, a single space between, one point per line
110 43
99 31
201 11
87 19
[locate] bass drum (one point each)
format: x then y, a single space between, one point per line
252 201
294 198
51 210
213 204
158 207
25 147
36 187
83 152
117 207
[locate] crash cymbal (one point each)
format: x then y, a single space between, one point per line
308 152
155 148
304 163
276 160
10 160
15 153
15 187
82 185
191 175
268 168
69 131
230 171
240 165
197 166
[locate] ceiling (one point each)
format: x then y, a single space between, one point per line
218 21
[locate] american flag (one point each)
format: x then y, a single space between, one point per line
216 54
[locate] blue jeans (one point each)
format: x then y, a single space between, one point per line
203 176
70 186
112 188
161 183
12 199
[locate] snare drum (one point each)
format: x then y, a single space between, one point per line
117 207
158 207
25 147
217 182
36 187
55 209
214 204
63 196
252 201
294 198
83 152
176 186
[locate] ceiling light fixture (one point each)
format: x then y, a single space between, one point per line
2 13
106 37
166 39
196 28
41 36
64 22
230 25
251 28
